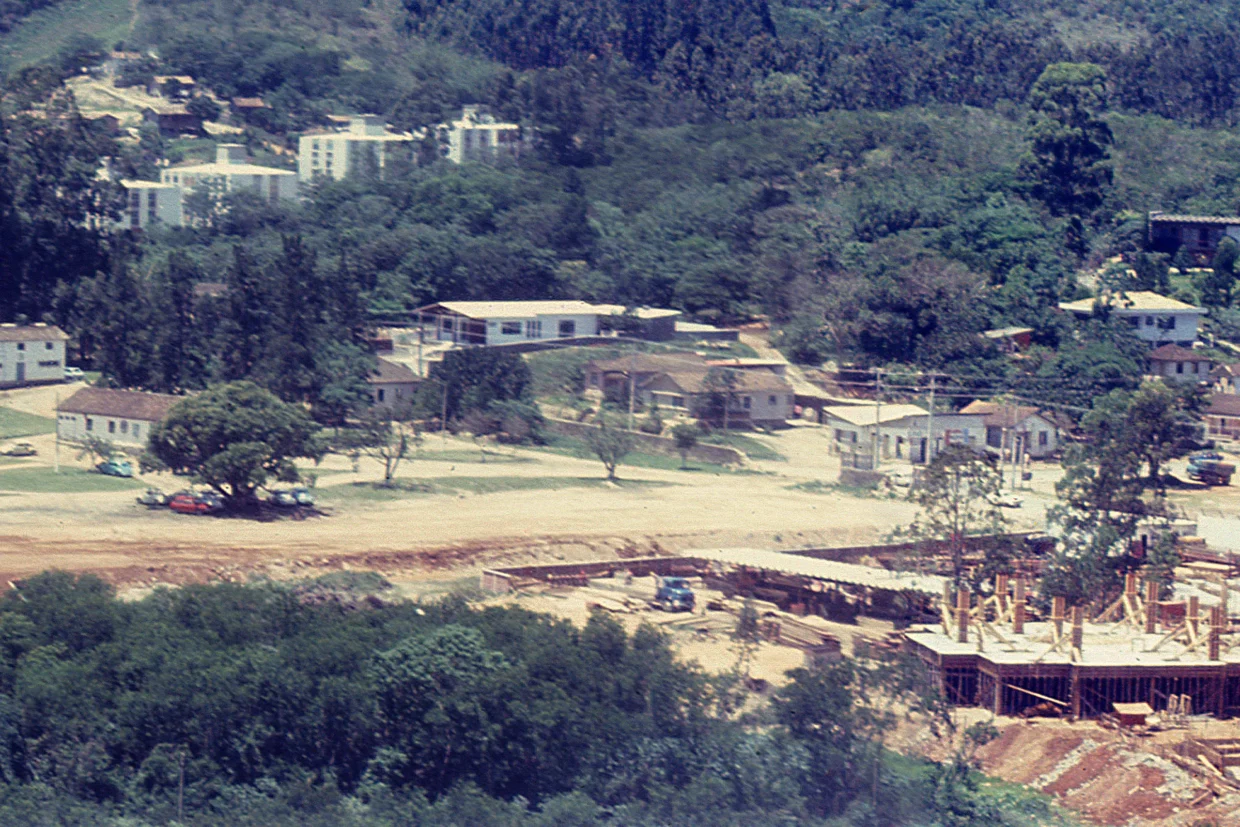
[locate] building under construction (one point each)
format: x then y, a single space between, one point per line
1176 656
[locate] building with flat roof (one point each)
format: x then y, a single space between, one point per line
477 136
232 172
1154 319
148 203
366 143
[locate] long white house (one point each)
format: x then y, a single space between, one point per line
1155 319
508 322
122 417
903 430
31 354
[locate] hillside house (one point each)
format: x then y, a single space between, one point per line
1198 235
760 397
1226 379
903 430
171 87
173 120
478 137
508 322
231 173
1032 431
1180 365
1222 417
609 378
1010 340
148 203
1154 319
122 417
31 354
391 384
365 143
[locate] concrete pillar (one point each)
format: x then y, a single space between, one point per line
1075 693
1151 607
1001 591
1078 627
1018 611
947 603
1057 610
1224 597
1130 583
962 615
1216 632
1194 614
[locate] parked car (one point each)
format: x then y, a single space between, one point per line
191 502
1203 456
73 374
153 498
1005 500
115 468
20 449
302 495
283 498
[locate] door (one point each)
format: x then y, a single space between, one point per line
21 371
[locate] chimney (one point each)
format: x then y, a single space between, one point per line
1018 611
1151 606
962 615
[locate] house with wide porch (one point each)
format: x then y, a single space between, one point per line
1154 319
1197 235
758 397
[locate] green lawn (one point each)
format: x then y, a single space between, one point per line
39 37
42 480
19 423
402 488
573 447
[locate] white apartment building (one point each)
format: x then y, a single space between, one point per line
476 136
1154 319
366 142
31 354
232 173
148 203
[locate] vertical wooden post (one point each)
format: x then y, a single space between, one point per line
947 606
1194 615
1130 583
1001 592
1151 606
1078 628
1224 597
998 706
1057 609
1075 695
962 615
1216 632
1018 611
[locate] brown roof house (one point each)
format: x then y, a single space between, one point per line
1180 365
122 417
392 384
31 354
1226 378
1222 416
173 120
1033 431
610 377
760 397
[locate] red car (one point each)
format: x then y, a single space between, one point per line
190 503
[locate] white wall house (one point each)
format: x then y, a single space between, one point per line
148 203
761 397
231 173
392 384
499 323
1033 433
903 430
1154 319
477 136
1180 365
365 143
31 354
122 417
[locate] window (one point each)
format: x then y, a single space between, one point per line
90 424
48 345
21 345
1133 321
111 426
135 430
678 401
510 328
380 394
747 401
772 400
568 327
1044 439
124 426
533 330
1179 367
1149 321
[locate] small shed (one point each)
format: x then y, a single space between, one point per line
1132 714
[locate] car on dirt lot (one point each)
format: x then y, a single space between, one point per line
115 468
302 495
191 502
20 449
153 498
1005 500
283 498
73 374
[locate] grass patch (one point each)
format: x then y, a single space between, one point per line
40 37
19 423
403 488
747 445
573 447
69 481
466 456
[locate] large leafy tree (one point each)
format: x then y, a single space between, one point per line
233 438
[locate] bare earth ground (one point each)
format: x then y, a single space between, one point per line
428 543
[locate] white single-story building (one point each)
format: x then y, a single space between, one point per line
903 429
1154 319
122 417
31 354
392 384
1034 432
507 322
760 397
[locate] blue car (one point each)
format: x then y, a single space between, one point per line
115 468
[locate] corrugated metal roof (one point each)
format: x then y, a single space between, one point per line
867 414
1163 218
1134 300
519 309
849 573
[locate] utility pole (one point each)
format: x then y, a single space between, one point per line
56 451
930 425
632 381
421 337
443 419
878 414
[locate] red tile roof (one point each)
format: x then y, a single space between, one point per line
1175 353
147 407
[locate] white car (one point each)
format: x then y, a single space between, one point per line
1005 500
73 374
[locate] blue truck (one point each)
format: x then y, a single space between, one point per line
674 595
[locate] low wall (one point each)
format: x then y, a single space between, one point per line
717 454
